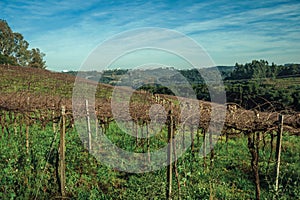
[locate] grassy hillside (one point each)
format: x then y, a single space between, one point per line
16 79
31 172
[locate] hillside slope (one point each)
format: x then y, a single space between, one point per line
16 79
48 90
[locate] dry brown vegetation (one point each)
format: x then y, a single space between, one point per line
28 90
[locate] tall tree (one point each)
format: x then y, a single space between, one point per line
21 52
14 49
36 59
254 70
6 42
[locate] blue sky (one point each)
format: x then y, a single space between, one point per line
68 31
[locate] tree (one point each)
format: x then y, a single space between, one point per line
14 49
6 39
255 70
7 60
21 52
36 59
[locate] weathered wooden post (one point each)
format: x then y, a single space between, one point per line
62 149
278 151
97 126
88 125
27 134
175 156
253 145
53 120
148 143
169 156
204 147
212 151
27 126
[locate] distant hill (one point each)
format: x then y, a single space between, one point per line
258 84
270 93
118 76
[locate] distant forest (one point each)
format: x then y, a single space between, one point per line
255 85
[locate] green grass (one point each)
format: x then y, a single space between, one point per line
26 175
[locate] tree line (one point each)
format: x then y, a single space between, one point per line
262 69
255 85
14 49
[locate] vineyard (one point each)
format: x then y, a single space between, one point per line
43 156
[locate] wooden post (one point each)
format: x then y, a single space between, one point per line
169 156
204 147
53 120
27 134
97 127
62 149
183 136
257 179
253 145
88 125
136 135
27 126
278 151
175 160
212 152
148 143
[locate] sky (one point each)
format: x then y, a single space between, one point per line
229 31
